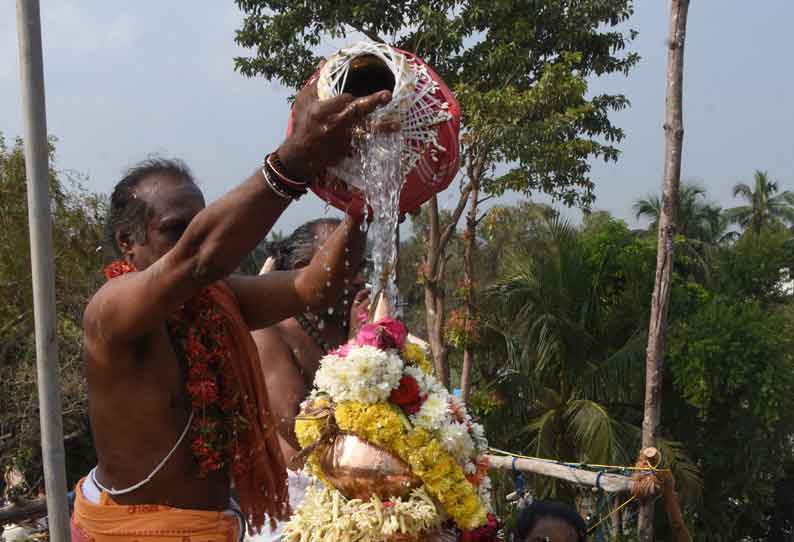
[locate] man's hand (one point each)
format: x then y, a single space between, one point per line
322 130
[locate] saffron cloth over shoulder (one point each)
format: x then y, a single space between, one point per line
232 426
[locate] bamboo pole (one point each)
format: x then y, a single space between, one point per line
37 169
674 135
609 482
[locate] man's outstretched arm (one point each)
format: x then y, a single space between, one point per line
219 237
277 295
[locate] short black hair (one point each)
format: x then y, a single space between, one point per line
129 213
299 246
530 515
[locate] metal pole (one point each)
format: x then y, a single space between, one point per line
37 168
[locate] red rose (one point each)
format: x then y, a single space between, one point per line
407 395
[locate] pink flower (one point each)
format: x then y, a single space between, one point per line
343 350
387 333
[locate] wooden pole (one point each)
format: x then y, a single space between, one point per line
611 483
674 135
21 511
38 176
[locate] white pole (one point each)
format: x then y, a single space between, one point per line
37 168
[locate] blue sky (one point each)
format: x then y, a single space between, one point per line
128 79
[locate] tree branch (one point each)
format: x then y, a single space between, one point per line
369 33
456 214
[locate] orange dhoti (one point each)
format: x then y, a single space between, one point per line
111 522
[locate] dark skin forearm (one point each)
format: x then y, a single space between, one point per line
275 296
321 282
673 509
221 235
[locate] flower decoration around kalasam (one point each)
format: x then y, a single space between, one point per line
397 456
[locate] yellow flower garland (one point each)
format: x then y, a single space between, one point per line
308 430
382 424
416 355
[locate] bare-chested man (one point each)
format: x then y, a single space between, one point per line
172 329
290 351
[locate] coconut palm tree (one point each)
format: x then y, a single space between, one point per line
698 220
763 206
702 225
575 367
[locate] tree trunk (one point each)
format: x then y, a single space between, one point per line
434 293
434 268
469 247
674 135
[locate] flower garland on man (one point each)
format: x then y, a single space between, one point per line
178 404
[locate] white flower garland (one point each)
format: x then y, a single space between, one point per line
326 516
366 374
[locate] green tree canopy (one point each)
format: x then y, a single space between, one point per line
518 67
77 235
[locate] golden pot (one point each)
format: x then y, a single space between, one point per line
360 470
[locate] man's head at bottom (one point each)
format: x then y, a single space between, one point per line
550 521
150 208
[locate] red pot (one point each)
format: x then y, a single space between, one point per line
432 173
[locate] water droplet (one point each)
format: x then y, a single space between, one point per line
330 310
327 268
321 324
346 291
328 284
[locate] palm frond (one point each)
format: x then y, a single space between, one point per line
650 208
743 190
616 376
542 430
595 433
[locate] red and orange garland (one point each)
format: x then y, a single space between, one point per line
197 329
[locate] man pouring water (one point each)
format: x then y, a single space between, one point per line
178 403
